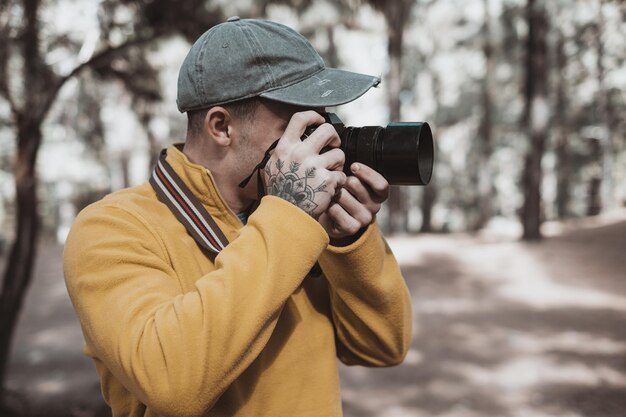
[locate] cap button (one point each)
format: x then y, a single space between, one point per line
233 19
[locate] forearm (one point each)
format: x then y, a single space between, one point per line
176 350
370 301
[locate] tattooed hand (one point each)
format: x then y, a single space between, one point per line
296 172
355 205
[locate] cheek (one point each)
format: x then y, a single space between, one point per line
271 135
265 139
258 140
252 152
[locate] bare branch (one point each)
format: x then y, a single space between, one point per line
5 12
100 57
6 123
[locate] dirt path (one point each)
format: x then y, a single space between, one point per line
508 329
503 329
48 372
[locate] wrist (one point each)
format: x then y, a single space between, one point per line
347 240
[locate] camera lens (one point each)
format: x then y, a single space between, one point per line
403 153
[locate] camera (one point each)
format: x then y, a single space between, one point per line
403 153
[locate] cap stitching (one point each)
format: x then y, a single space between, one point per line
198 65
372 83
316 54
294 82
256 45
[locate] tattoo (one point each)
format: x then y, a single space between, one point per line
293 188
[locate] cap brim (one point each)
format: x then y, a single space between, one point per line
329 87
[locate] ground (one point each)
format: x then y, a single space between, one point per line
502 329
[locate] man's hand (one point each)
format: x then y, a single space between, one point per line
355 204
296 171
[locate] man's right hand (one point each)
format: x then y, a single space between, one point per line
296 171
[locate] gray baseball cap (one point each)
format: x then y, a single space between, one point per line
244 58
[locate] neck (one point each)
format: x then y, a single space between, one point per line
226 181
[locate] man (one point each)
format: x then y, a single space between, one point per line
201 297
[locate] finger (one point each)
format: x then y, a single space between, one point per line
324 135
333 159
330 182
333 183
373 179
355 208
358 189
327 223
342 221
339 177
298 124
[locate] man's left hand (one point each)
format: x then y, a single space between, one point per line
355 204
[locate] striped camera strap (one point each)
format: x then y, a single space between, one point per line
172 191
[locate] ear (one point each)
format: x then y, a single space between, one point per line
218 124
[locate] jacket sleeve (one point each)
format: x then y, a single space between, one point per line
370 302
177 352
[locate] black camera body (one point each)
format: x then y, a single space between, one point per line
403 153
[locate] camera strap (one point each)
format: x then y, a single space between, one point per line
257 169
187 208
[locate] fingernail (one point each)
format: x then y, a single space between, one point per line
355 167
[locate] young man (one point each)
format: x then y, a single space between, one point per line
196 296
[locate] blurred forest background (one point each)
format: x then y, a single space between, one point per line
526 99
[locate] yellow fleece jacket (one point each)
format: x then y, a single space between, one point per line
174 334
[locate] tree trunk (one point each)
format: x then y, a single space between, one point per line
484 181
40 88
154 148
332 54
594 198
428 201
17 275
536 117
124 161
564 169
429 195
607 119
397 220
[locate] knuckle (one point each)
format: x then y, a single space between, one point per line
353 181
353 227
338 154
311 113
282 148
365 218
333 210
327 129
380 190
334 176
299 153
326 178
299 118
383 185
303 151
342 178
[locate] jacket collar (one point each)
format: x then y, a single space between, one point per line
202 184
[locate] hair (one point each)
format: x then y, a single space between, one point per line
241 109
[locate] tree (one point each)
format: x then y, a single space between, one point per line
30 92
429 194
564 166
608 118
484 180
397 14
536 117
